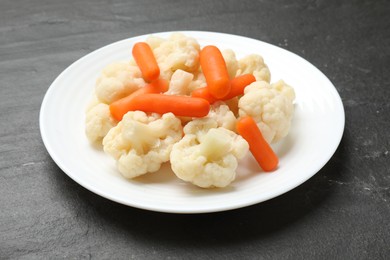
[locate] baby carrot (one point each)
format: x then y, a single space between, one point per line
204 93
237 84
178 105
144 57
120 107
214 69
258 146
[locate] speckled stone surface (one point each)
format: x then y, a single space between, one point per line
343 212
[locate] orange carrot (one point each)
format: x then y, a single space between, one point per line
144 57
258 146
120 107
178 105
214 69
204 93
237 84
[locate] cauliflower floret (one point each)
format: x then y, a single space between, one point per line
255 65
221 113
200 126
207 156
270 108
219 116
231 62
141 143
98 121
199 81
154 41
176 52
117 81
284 89
93 102
180 82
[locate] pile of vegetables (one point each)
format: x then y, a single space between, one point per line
199 108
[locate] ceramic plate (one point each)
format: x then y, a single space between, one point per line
316 132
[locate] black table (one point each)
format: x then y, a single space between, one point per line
343 212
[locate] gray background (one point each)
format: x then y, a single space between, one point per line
342 212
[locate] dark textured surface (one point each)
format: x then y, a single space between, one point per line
343 212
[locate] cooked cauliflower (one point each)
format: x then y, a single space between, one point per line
118 80
285 89
199 81
219 116
271 108
208 155
176 52
93 102
180 83
154 41
98 121
141 143
255 65
231 62
224 117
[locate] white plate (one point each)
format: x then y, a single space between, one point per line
316 132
